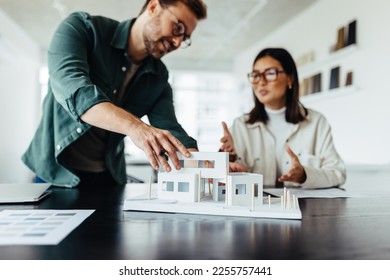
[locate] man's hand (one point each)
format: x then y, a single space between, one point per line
158 145
296 173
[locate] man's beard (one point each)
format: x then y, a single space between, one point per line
156 47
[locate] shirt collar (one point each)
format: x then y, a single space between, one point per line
278 111
120 39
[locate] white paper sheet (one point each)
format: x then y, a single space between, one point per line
38 227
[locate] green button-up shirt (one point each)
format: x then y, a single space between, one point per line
87 65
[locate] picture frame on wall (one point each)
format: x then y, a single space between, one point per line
349 79
334 78
351 34
340 38
346 36
317 83
304 87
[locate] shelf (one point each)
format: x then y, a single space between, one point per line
326 95
309 68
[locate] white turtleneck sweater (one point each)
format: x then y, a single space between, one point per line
280 129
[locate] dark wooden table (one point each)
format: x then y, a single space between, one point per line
331 229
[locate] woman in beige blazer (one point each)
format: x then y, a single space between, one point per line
280 138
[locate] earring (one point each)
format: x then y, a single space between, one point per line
289 86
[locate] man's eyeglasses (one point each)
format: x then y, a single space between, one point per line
270 75
179 29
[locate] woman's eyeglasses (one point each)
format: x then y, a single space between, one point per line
269 75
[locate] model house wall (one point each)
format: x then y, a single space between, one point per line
181 186
243 187
189 183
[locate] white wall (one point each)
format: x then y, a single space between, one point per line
360 119
19 98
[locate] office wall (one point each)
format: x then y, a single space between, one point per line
360 119
19 98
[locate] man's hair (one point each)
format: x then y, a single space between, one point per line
196 6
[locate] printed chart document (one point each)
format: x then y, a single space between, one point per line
39 227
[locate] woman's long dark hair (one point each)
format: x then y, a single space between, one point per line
294 112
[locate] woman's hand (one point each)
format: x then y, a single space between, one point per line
236 167
227 141
296 173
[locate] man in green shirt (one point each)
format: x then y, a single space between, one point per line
104 76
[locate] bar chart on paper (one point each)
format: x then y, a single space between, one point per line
39 227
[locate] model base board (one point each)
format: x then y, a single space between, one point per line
270 208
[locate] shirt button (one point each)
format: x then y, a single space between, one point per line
79 130
58 147
114 91
124 69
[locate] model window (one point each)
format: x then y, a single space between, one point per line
240 189
168 186
184 187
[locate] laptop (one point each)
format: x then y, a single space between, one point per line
23 192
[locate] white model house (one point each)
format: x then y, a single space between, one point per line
192 182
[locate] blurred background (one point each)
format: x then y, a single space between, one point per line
345 80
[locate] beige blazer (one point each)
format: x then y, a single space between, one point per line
311 140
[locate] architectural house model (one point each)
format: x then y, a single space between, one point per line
204 186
